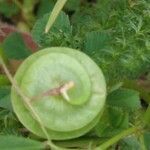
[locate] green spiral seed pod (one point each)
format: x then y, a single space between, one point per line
67 90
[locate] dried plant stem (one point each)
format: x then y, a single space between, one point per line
27 102
61 90
55 12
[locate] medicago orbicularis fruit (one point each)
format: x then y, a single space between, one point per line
64 116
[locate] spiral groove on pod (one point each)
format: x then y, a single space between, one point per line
49 69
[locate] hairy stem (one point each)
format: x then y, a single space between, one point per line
116 138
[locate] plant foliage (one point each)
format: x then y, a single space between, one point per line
116 35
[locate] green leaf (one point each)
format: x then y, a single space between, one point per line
97 46
147 140
130 143
60 31
19 143
3 80
72 5
14 47
5 98
103 124
126 56
8 8
124 98
2 55
95 42
118 118
113 121
45 7
9 123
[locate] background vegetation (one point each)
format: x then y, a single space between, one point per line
115 34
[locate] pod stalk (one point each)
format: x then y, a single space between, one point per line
64 89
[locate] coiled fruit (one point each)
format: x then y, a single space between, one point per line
64 116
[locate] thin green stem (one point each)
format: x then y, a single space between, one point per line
54 14
81 142
116 138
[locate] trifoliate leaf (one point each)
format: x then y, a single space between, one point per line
14 47
59 33
19 143
124 98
